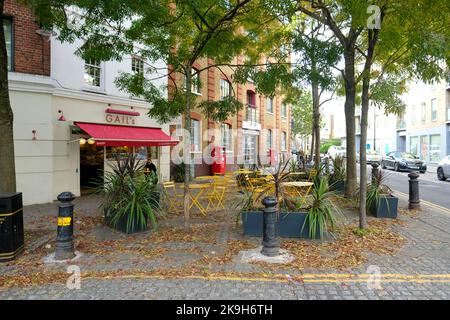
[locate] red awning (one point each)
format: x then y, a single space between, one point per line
117 136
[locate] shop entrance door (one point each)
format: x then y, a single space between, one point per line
91 167
250 150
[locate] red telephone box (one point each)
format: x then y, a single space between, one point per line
219 160
272 157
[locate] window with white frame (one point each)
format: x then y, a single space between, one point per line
225 89
269 139
7 27
424 112
195 79
137 65
226 137
283 141
93 73
269 105
434 110
195 136
284 110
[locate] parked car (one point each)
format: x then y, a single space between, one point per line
334 151
371 157
403 161
443 170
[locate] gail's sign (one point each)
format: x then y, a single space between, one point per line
120 119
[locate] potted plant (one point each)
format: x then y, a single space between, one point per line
380 201
294 220
337 177
130 198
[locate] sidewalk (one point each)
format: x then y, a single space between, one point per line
205 264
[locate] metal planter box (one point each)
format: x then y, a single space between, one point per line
289 225
11 226
386 207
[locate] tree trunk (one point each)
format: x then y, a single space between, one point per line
7 165
313 140
316 122
350 98
187 147
363 155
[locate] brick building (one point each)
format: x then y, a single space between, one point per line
258 134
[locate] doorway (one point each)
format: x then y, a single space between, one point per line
92 161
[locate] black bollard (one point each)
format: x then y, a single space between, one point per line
375 171
414 199
271 245
64 240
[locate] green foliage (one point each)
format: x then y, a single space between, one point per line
323 214
376 189
127 193
325 146
179 172
339 169
301 113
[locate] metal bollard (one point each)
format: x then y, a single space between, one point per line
64 241
414 199
375 171
271 245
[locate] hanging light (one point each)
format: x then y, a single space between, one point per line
82 142
91 141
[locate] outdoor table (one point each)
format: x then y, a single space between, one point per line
299 185
201 187
206 178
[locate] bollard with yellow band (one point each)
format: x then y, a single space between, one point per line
11 226
64 240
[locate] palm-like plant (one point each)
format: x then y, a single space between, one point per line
376 189
129 195
322 214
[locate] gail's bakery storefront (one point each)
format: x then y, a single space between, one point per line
99 133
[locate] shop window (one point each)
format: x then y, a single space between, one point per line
414 145
112 153
93 73
195 136
435 148
7 27
226 137
145 153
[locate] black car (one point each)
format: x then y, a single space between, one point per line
403 161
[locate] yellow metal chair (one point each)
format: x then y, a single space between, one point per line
173 197
312 174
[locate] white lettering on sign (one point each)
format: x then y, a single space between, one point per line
120 119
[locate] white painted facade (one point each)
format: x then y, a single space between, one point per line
48 160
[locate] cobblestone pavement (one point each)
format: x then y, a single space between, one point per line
420 270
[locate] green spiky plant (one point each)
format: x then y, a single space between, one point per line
376 189
129 195
322 216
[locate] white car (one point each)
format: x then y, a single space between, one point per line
373 157
334 151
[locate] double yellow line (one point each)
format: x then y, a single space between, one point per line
446 211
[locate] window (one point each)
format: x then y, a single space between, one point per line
269 139
137 65
7 27
284 110
414 145
195 135
251 99
93 73
424 113
269 105
435 148
283 141
195 87
226 137
225 89
414 115
434 110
